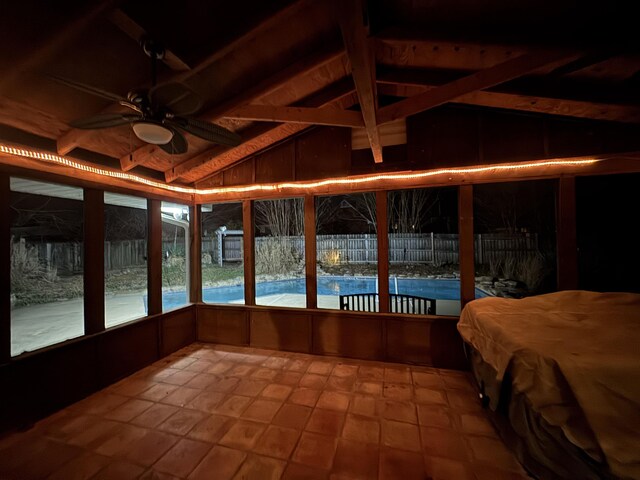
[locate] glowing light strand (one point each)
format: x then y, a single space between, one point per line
52 158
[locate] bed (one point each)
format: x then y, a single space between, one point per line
562 374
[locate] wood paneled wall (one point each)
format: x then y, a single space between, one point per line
35 385
448 136
430 341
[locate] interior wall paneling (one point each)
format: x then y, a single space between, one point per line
178 329
408 341
323 153
94 302
446 346
276 164
154 257
466 254
280 330
355 335
443 137
310 251
5 268
129 348
37 384
229 325
508 137
248 243
567 242
240 174
195 254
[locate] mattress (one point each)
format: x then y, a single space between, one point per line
575 357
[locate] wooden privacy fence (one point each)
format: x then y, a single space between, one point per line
404 248
68 257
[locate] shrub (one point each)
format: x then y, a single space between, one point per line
275 256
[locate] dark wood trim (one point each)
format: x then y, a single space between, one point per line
248 226
567 242
383 251
94 303
310 251
5 268
466 254
195 254
154 257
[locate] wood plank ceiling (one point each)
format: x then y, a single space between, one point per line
269 70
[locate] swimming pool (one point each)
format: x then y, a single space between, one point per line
441 289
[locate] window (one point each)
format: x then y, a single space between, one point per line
515 238
125 258
423 251
47 261
608 256
175 255
279 253
222 253
347 251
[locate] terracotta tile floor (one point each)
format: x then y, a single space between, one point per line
220 412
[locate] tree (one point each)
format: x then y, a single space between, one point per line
409 209
283 217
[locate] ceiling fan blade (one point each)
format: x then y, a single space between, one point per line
207 131
105 120
177 145
176 97
98 92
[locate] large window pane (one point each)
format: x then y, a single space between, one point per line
515 237
125 258
46 264
347 251
279 252
423 251
608 254
222 253
175 255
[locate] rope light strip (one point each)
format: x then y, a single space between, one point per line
52 158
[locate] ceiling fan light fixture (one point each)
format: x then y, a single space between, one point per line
151 132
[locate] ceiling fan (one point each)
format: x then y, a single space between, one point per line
159 114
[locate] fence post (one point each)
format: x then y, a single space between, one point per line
433 249
480 252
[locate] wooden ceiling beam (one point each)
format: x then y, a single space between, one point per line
480 80
407 84
260 89
72 138
312 116
127 25
256 138
362 56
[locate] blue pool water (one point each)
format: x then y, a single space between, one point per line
442 289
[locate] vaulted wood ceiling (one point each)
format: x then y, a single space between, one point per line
269 70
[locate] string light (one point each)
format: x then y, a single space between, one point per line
360 180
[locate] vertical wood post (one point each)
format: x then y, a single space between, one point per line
154 257
249 252
5 268
310 251
93 261
383 251
567 243
466 250
195 254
